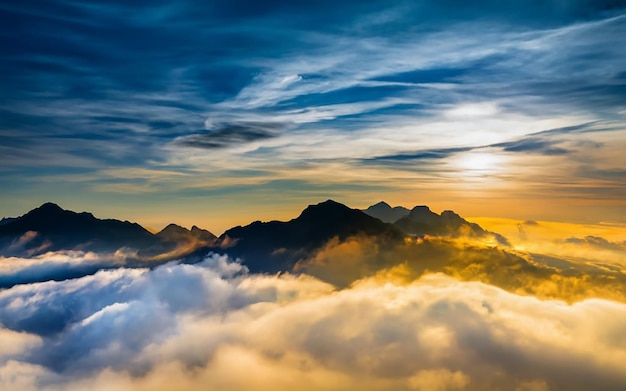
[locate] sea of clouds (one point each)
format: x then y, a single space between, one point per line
213 325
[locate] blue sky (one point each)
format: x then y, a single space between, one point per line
216 113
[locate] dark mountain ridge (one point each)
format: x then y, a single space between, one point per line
52 228
262 246
277 245
422 221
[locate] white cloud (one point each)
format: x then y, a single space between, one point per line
56 265
211 325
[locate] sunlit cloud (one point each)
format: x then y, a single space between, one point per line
435 333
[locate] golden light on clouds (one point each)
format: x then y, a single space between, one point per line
279 126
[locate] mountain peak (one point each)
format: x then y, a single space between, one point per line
330 202
61 229
173 229
385 213
326 207
47 211
274 244
381 204
202 234
422 211
49 207
449 214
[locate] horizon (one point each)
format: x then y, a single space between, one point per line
615 230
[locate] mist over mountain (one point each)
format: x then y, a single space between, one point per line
279 297
422 221
329 240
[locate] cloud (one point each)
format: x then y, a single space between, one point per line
598 242
206 325
225 135
420 155
58 265
557 275
374 83
535 145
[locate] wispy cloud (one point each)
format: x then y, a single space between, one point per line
372 80
225 135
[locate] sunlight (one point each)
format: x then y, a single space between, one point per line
479 163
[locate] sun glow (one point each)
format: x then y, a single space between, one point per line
479 163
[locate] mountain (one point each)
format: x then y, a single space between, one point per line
263 246
274 246
50 228
422 221
385 213
7 220
176 234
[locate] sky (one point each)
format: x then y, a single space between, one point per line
219 113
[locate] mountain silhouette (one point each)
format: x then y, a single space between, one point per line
268 247
385 213
52 228
422 221
274 246
176 234
7 220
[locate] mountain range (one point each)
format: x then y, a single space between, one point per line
422 221
328 240
262 246
51 228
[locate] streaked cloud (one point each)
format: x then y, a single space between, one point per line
299 91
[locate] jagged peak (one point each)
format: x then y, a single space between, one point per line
381 204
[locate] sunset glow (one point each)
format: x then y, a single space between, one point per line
313 195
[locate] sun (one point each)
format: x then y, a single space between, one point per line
479 163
